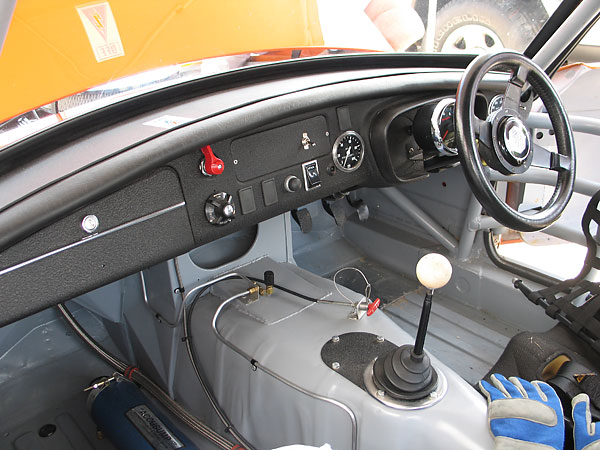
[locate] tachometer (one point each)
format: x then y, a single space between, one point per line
348 151
442 127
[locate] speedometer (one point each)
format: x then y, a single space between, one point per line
348 151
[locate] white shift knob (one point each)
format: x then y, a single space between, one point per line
434 271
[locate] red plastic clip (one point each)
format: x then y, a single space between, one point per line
211 164
373 307
129 372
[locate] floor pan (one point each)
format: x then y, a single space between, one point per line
467 340
66 426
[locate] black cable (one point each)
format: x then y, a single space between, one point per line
289 291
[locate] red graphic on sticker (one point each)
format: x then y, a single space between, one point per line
101 29
97 18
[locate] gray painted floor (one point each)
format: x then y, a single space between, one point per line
467 340
44 369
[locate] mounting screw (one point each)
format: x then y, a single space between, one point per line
335 365
335 339
380 393
380 339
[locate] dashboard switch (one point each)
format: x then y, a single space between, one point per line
269 190
312 179
292 184
219 208
211 165
247 200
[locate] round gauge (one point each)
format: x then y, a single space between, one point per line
348 151
442 127
495 104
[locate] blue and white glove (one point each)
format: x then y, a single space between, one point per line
523 415
585 433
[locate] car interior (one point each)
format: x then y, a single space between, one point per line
303 252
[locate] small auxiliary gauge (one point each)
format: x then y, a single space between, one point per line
348 151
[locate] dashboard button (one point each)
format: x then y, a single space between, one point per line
292 184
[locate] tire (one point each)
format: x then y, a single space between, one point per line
466 26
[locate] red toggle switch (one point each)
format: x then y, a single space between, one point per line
373 307
211 164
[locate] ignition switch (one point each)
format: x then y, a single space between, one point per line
211 165
219 208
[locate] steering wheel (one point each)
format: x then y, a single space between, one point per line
505 142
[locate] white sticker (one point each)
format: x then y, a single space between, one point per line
102 31
167 121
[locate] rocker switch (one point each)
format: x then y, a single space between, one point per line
312 179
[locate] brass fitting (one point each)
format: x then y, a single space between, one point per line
266 291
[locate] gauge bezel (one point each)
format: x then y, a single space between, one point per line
336 144
436 134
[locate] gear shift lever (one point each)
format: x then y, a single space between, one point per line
433 272
406 372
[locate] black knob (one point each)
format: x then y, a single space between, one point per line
292 184
269 278
219 208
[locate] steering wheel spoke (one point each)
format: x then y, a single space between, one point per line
546 159
483 131
514 91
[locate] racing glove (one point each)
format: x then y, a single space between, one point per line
524 415
585 433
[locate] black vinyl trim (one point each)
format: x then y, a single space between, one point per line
522 271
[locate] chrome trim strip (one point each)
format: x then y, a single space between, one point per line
92 237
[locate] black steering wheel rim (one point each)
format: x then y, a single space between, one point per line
469 155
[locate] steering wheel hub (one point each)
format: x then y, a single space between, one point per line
514 140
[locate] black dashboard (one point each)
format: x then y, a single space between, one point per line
86 204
